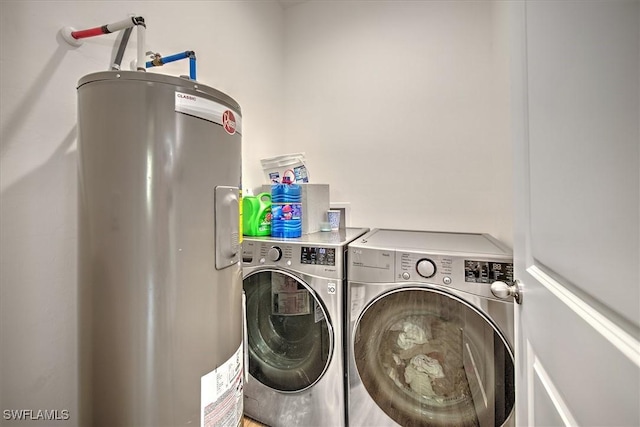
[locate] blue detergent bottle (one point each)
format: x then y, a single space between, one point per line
286 209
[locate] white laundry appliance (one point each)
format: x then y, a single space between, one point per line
429 342
295 292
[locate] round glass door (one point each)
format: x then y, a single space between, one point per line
428 358
289 336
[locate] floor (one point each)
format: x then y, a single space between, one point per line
248 422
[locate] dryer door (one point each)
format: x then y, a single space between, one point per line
427 357
289 336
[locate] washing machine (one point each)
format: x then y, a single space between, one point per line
294 333
429 342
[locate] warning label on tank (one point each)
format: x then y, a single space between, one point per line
207 109
221 394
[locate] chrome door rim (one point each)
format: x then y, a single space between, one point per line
389 392
253 355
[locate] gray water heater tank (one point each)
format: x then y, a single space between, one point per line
159 277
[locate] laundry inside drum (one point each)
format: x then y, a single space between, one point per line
420 354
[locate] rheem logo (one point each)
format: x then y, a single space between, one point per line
229 122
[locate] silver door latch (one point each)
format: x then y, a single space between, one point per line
503 290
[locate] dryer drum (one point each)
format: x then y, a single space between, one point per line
287 352
428 358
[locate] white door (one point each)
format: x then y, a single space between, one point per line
575 121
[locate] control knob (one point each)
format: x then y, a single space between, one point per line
426 268
275 253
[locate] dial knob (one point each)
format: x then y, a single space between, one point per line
426 268
275 253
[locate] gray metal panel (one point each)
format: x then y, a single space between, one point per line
340 237
255 251
155 313
393 255
153 78
432 241
323 404
383 261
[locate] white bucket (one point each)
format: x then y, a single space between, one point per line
275 168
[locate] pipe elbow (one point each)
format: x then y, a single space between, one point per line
138 20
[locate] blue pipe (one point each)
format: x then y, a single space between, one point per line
160 61
192 66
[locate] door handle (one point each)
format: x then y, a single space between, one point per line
226 228
503 290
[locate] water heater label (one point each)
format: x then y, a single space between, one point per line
207 109
221 394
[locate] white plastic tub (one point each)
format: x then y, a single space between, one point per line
293 164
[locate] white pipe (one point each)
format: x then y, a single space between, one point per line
141 48
74 37
120 25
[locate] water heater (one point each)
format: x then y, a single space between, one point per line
159 282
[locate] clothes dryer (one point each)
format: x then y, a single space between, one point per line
294 334
429 343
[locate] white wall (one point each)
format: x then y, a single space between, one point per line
403 108
239 50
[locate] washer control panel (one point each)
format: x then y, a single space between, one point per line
487 271
325 261
466 273
317 255
418 266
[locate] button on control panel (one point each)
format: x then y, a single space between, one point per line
426 268
267 252
420 266
274 254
